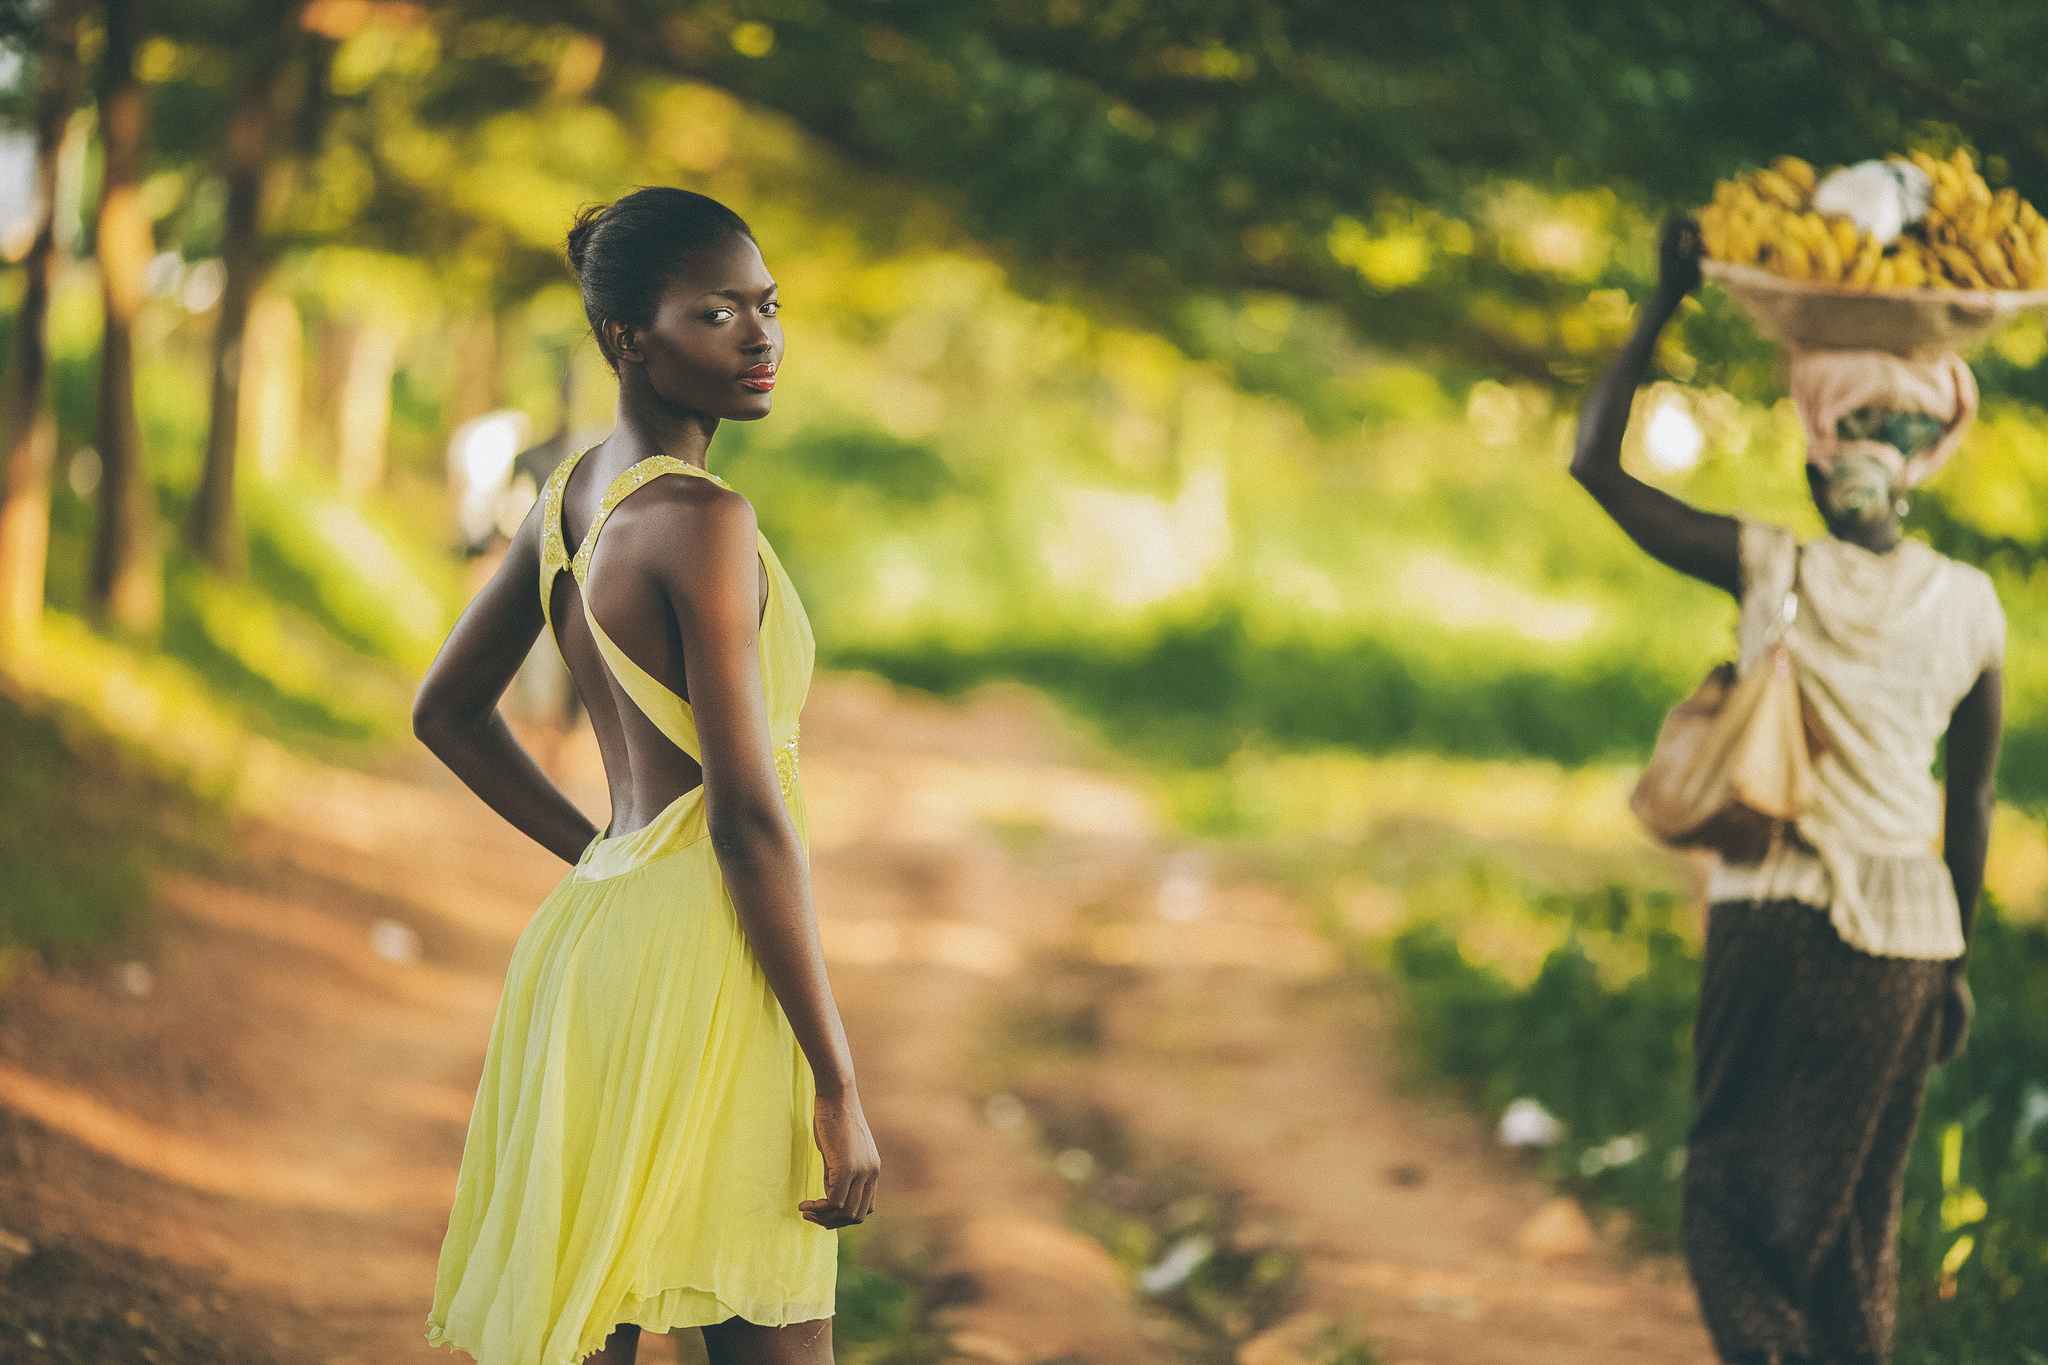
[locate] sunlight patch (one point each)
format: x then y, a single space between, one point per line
1136 550
1467 599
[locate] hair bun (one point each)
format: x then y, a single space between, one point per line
581 233
624 253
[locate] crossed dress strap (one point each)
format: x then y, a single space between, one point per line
670 713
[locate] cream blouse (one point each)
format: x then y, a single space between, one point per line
1884 647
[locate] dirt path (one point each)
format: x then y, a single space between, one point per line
254 1136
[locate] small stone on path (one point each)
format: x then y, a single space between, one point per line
1299 1340
1558 1231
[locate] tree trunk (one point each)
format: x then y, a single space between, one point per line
273 346
476 367
31 426
363 425
127 576
212 531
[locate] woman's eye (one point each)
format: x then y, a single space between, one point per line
718 315
770 309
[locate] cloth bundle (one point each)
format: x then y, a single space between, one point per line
1830 385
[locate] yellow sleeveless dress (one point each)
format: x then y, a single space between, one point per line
642 1132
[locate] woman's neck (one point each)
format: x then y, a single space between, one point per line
646 426
1877 537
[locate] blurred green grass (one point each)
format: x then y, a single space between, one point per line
84 825
1322 596
1612 1061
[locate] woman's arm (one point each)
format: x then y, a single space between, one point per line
711 571
456 715
1972 793
1693 542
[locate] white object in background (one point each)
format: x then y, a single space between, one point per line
1185 1258
203 284
394 942
84 472
17 193
1881 197
1672 439
2033 1115
1076 1164
1528 1124
1614 1152
165 271
480 456
1184 888
1006 1113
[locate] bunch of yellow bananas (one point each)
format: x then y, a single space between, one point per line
1983 240
1970 238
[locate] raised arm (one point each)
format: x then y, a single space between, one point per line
711 573
455 713
1693 542
1972 770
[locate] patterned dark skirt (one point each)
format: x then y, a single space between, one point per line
1811 1059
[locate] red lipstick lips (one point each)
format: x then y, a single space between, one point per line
760 379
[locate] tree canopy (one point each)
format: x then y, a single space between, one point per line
1287 188
1349 154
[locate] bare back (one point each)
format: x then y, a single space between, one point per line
645 771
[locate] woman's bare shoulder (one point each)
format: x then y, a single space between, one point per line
688 522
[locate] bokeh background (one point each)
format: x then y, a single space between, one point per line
1204 371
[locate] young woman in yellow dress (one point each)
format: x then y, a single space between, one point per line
667 1129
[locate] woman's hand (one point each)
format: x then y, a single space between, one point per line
1678 258
1957 1009
852 1165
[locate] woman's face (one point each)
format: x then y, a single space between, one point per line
1855 499
715 342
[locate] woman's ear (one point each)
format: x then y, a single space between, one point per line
622 339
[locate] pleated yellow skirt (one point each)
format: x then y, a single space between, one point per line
642 1132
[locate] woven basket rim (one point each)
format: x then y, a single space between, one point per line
1991 300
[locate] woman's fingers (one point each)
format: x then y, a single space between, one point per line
816 1211
838 1186
851 1205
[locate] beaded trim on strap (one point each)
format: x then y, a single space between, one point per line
620 487
785 765
553 554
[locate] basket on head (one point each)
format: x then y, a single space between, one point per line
1915 323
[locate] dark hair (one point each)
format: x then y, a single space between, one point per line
623 253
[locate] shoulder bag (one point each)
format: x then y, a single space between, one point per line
1734 761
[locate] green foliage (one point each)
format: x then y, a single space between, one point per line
333 560
894 469
81 829
283 669
879 1319
1162 161
1612 1060
1197 691
1354 155
1979 1171
1609 1061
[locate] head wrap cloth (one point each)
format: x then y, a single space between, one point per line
1829 385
